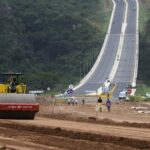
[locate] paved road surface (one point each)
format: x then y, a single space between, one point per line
102 71
124 75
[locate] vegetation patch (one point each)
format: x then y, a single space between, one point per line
54 42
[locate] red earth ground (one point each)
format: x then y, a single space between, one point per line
79 127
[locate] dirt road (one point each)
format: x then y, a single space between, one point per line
78 128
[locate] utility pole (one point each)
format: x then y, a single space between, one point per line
80 70
87 66
84 68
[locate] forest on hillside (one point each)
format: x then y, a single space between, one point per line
54 42
144 47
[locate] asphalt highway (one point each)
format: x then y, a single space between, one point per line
125 72
105 65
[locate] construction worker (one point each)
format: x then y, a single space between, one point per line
13 85
99 104
108 104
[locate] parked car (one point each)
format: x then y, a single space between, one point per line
123 95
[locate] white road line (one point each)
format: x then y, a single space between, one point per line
120 47
119 51
101 52
137 48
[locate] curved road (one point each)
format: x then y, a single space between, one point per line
105 65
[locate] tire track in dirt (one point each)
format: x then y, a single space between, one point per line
118 131
74 134
26 140
16 144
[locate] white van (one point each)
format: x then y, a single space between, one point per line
123 95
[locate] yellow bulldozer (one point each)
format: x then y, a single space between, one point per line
14 100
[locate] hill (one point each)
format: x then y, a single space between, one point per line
54 42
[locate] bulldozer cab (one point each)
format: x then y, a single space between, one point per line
10 83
